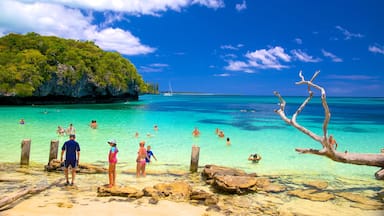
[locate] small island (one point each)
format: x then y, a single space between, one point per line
39 69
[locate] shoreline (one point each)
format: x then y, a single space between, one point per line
82 197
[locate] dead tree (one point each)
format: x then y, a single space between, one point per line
327 149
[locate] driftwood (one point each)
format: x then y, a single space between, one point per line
11 180
327 149
26 191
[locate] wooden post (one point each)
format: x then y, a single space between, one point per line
194 158
25 150
53 150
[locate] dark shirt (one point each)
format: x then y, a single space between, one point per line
149 154
70 147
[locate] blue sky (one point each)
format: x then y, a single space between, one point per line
229 47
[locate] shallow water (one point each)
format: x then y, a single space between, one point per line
249 121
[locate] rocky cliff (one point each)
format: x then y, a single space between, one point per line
36 69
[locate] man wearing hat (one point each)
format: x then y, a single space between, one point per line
72 157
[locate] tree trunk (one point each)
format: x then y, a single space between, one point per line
31 190
327 149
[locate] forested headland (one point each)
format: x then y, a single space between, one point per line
37 69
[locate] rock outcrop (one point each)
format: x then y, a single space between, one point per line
57 166
237 181
178 191
59 90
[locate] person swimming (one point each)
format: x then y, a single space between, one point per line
254 158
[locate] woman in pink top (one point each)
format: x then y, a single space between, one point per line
112 159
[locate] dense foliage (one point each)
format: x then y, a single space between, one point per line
28 61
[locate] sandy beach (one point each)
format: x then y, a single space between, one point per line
82 198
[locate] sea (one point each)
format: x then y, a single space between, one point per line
248 121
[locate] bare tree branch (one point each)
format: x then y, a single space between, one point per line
328 149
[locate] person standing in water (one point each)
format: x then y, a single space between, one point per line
141 160
149 154
71 130
112 159
71 148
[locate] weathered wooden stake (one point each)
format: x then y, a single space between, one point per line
54 150
25 150
195 158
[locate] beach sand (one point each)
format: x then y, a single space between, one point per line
82 198
58 201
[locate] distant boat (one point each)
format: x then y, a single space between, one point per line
169 92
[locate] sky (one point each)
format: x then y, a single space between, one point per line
245 47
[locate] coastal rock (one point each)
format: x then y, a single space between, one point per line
234 184
57 166
210 171
229 180
317 184
150 191
265 184
262 182
379 175
177 191
126 191
207 198
274 188
313 195
362 201
380 194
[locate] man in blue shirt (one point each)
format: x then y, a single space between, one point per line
72 157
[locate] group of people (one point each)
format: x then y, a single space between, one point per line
218 132
71 150
71 130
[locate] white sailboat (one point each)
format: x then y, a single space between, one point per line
169 92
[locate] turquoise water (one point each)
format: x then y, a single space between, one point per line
249 121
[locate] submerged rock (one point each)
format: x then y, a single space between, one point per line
313 195
126 191
362 201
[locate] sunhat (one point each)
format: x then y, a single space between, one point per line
112 141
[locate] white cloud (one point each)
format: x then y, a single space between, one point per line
332 56
73 19
298 41
273 58
304 57
153 68
348 35
376 49
231 47
242 6
222 75
228 47
239 66
120 40
111 18
138 7
215 4
268 58
260 59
